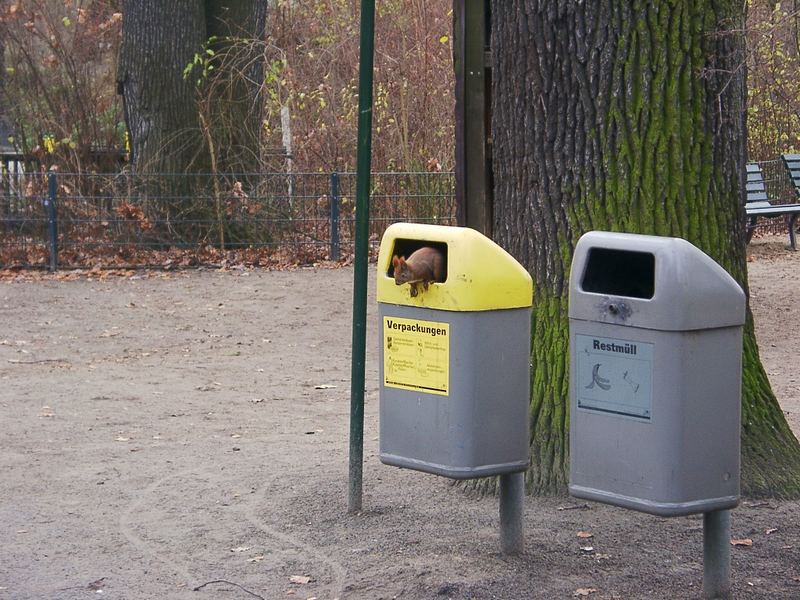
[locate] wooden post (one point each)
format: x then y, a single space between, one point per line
472 59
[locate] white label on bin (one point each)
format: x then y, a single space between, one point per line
614 376
416 355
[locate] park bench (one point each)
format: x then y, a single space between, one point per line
758 203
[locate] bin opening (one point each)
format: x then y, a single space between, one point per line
620 273
405 248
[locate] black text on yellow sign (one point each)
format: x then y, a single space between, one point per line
416 355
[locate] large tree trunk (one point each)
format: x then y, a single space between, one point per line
234 103
159 39
190 72
623 116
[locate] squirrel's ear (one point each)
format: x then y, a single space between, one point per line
395 261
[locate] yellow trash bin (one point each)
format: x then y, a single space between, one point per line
455 356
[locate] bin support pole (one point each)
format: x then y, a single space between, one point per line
512 497
363 166
717 554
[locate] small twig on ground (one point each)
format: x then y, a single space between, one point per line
574 507
254 595
14 361
758 505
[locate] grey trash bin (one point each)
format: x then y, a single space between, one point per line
655 375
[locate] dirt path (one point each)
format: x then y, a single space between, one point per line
162 433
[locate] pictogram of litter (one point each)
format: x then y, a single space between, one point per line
601 382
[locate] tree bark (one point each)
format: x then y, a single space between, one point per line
235 104
159 39
623 116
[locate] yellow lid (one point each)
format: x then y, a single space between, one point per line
479 274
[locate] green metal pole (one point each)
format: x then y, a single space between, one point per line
361 255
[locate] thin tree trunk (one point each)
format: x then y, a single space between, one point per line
623 116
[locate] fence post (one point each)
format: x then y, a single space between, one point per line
334 216
52 223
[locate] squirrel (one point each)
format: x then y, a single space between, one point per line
423 266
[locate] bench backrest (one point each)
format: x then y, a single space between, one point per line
756 190
792 163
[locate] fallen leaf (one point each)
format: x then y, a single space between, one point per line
47 412
240 549
772 530
122 439
587 548
585 535
300 579
584 592
256 559
324 386
742 542
257 400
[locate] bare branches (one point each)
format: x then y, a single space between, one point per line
59 79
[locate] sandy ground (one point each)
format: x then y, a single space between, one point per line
185 435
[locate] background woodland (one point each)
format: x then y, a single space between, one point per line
60 102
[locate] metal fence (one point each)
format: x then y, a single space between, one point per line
78 220
82 220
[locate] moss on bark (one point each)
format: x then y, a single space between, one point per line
623 116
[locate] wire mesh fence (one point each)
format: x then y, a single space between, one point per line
88 219
85 219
